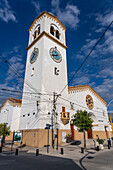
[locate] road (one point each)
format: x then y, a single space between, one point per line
31 162
102 161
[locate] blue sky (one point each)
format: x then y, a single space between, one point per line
85 21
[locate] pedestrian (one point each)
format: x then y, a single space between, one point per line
109 142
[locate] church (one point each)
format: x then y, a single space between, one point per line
47 103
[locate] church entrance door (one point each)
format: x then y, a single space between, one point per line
72 131
89 132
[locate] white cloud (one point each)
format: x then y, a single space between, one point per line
105 89
106 72
55 3
6 13
10 79
99 30
69 15
83 80
105 19
37 6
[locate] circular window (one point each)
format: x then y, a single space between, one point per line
89 102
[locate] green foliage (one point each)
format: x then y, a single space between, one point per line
82 120
4 130
100 141
112 138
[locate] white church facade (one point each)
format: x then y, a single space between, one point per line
10 113
45 101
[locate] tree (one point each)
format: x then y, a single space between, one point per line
4 131
83 121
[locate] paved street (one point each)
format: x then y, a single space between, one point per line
71 159
102 161
31 162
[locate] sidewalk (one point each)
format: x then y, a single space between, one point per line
70 151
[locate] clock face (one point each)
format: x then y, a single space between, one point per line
89 102
34 55
55 55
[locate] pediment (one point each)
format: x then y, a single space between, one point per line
77 89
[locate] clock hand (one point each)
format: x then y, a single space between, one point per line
33 56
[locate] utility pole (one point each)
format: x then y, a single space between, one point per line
54 119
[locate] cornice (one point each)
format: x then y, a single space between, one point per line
75 89
48 36
45 13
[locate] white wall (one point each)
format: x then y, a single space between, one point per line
10 115
15 118
45 23
6 114
43 80
97 112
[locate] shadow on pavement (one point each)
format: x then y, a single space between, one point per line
41 162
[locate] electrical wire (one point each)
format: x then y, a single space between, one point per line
87 57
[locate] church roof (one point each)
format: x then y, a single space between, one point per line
12 101
76 89
45 13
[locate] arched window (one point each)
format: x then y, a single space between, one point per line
38 30
35 33
57 34
52 30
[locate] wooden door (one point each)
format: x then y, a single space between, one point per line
89 132
72 131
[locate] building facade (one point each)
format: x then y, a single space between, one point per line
45 78
10 113
46 100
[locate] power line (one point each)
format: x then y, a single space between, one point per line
23 92
77 104
18 75
4 61
86 57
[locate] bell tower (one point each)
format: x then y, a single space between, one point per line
46 70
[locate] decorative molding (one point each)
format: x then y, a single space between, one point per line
48 36
76 89
49 15
65 119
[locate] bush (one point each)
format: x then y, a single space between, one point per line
100 141
112 138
